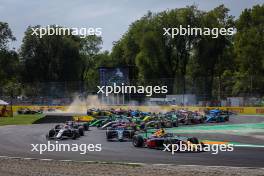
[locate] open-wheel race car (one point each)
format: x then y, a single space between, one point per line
216 115
190 117
64 132
84 125
120 133
29 111
80 126
160 139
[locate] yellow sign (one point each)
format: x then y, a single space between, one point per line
83 118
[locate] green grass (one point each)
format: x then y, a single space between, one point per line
19 119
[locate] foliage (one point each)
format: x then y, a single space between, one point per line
19 120
218 67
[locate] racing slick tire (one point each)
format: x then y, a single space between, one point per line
175 123
108 135
75 135
138 141
131 134
81 131
193 140
51 133
201 120
86 127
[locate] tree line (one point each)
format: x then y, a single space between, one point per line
226 65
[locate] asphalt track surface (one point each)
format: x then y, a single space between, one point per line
16 142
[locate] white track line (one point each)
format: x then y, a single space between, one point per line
249 145
124 163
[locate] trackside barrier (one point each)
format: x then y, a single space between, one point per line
238 110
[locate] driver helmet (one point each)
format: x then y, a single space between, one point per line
160 132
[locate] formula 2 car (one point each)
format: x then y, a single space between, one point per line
216 115
161 139
29 111
121 133
81 127
63 132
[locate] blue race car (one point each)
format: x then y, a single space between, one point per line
216 115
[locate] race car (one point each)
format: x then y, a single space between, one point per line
216 115
63 132
197 117
119 121
173 118
29 111
98 122
160 139
81 127
137 113
189 117
102 121
120 133
97 113
84 125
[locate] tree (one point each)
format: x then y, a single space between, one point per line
6 35
52 58
90 48
249 50
9 63
91 78
187 61
211 54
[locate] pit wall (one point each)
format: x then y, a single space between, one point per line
238 110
